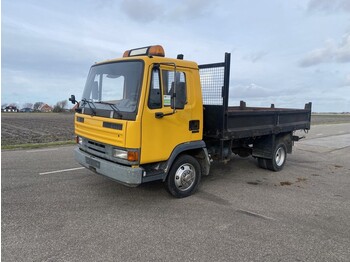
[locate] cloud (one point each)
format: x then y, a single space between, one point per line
48 47
342 53
319 55
330 53
243 91
329 6
255 56
191 9
326 101
347 80
146 11
142 10
29 86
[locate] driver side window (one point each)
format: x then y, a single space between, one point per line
155 93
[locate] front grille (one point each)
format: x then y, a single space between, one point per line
96 146
103 151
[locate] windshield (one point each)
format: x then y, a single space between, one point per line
116 84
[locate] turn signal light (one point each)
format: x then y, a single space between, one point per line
133 156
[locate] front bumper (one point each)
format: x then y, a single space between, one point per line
126 175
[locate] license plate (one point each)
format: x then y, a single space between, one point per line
92 162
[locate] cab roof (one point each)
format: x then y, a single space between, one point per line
151 55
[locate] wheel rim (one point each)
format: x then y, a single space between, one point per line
185 177
280 156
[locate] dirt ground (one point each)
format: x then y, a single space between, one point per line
26 128
319 119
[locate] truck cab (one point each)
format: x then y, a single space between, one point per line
137 114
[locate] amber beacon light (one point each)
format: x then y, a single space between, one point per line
153 50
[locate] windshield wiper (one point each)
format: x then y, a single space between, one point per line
89 104
113 106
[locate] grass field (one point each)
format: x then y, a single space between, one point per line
31 129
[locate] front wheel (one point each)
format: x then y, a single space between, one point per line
184 176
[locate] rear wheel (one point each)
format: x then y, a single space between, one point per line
278 160
184 176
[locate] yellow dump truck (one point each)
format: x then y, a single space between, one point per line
146 117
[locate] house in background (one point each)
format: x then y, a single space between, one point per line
11 109
45 108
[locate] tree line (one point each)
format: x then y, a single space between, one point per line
60 106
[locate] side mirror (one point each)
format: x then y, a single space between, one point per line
178 98
72 99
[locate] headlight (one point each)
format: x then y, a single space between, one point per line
120 153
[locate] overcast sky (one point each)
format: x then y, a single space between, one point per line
283 52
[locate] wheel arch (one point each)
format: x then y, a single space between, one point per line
197 149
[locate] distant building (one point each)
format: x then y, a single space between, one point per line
26 110
45 108
10 109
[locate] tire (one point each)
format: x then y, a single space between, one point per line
278 160
184 176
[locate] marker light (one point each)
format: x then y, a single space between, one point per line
79 140
153 50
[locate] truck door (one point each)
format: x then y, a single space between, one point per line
160 135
